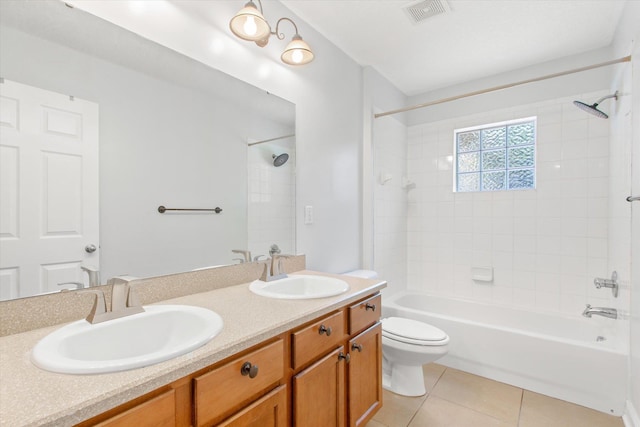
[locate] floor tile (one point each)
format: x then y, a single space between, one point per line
374 423
539 410
397 410
432 373
489 397
437 412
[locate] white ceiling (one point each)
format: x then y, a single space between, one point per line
475 39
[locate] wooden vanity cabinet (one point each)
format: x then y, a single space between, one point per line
325 373
343 385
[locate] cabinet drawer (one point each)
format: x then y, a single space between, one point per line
364 314
314 340
226 389
268 411
157 412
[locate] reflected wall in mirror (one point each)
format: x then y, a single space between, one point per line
171 132
272 179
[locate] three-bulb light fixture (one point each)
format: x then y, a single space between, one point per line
249 24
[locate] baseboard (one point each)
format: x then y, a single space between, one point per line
630 417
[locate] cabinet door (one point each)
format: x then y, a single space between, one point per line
365 375
270 411
319 393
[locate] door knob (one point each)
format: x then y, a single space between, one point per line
90 248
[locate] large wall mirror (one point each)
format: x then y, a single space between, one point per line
170 132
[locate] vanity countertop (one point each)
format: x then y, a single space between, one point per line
30 396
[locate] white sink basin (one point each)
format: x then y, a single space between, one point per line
300 287
161 333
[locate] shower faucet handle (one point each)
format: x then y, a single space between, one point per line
608 283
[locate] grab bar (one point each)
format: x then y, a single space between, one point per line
633 198
162 209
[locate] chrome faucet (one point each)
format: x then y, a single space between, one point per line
272 268
123 302
611 313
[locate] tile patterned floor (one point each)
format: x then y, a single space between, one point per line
459 399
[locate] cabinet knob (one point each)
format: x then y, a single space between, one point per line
343 356
249 369
355 346
369 306
324 330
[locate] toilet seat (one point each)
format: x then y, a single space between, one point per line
413 332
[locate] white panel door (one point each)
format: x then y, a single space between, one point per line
48 189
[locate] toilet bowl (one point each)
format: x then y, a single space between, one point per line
407 345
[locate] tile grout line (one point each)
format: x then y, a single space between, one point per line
520 409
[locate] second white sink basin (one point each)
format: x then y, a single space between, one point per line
161 333
300 287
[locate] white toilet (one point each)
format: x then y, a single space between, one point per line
407 345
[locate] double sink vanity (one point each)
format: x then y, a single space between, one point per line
303 350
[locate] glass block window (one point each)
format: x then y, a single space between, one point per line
497 156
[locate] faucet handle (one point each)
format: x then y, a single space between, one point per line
132 298
245 254
266 272
99 305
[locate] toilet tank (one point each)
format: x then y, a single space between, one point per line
363 274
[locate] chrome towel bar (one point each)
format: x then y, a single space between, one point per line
162 209
633 198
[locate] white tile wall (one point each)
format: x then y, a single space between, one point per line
391 215
545 245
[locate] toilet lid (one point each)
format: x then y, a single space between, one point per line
401 328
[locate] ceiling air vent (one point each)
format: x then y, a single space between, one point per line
424 9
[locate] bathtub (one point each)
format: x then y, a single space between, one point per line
570 358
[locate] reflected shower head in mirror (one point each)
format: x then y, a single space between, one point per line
593 108
280 160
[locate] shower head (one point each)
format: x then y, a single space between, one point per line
280 160
593 108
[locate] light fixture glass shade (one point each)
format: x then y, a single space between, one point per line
297 52
249 24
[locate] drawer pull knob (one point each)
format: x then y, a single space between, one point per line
355 346
343 356
249 369
324 330
369 306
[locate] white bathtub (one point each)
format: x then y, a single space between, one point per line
554 355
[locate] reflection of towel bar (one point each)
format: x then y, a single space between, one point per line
633 198
162 209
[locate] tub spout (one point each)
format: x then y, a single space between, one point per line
611 313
